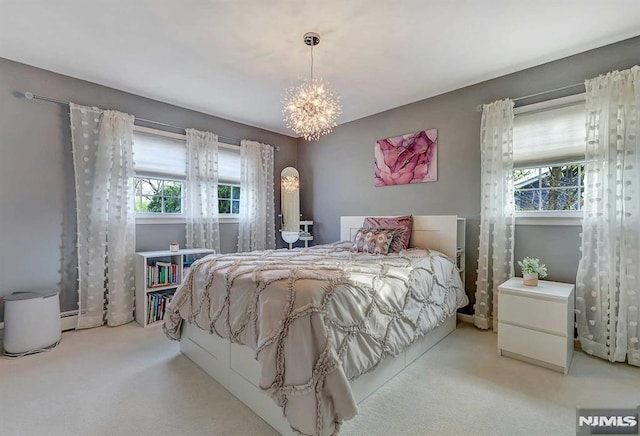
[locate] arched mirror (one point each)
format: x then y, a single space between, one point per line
290 204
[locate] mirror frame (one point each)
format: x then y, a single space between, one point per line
290 205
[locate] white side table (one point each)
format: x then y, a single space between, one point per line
304 226
535 323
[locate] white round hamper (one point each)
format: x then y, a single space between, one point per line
31 322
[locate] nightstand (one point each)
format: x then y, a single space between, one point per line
535 323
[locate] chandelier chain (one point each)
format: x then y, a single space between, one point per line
312 62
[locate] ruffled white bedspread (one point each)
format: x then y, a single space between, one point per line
318 317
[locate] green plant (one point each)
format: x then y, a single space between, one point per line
530 265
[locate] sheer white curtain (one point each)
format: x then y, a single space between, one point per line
201 190
608 280
495 257
103 165
257 230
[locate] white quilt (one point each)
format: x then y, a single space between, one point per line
318 317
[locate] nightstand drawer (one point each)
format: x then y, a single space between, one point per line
530 343
536 313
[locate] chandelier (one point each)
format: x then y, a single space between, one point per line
311 108
290 183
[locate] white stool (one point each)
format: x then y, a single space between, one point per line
31 322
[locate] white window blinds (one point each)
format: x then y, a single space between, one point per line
229 164
549 133
159 155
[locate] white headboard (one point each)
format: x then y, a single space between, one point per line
437 232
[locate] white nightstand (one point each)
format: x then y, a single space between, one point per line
535 323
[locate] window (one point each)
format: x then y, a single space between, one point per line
229 185
548 156
160 165
549 188
154 195
229 199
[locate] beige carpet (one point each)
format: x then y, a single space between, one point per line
132 381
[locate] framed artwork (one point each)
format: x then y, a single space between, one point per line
410 158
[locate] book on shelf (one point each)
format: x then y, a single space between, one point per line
186 266
189 260
162 274
157 303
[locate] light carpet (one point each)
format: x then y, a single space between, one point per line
133 381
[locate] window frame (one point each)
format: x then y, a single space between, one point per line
235 216
549 217
168 216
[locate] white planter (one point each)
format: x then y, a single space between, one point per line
530 279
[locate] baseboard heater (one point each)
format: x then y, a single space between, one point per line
68 320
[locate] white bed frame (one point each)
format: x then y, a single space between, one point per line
438 232
235 368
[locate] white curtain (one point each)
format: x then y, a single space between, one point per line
608 280
495 257
201 190
257 228
103 165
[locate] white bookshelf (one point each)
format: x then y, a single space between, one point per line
460 248
144 287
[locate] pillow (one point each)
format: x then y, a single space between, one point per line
405 222
397 243
374 241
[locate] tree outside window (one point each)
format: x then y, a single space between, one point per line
164 196
229 199
157 195
550 188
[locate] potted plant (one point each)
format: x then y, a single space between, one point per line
531 270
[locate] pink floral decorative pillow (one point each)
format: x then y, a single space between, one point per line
405 222
374 241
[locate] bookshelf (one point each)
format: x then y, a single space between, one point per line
158 275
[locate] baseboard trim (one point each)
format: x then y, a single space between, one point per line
463 317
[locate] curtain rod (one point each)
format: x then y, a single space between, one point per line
221 138
537 94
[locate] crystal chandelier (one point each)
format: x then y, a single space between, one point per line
311 108
290 183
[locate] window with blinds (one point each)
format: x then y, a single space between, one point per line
548 155
160 164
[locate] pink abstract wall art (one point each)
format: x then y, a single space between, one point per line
405 159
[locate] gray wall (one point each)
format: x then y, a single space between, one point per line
37 223
159 236
555 246
338 169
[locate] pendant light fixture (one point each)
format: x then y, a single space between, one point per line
311 108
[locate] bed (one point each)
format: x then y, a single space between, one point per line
323 327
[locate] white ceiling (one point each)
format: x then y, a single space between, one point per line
234 58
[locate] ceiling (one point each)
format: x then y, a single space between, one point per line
234 58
